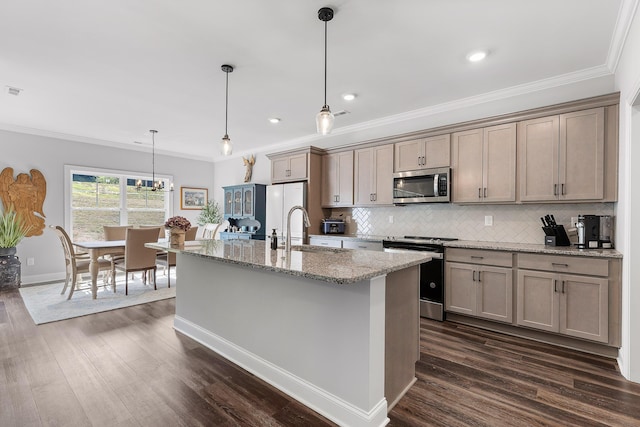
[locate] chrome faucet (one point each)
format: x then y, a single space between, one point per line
287 245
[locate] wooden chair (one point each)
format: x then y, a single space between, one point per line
168 259
76 264
136 256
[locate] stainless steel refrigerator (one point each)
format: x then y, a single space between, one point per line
280 199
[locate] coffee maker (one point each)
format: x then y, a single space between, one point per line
594 231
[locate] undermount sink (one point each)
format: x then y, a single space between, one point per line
316 249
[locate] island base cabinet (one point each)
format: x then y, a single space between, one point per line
572 305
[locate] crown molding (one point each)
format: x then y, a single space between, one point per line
626 13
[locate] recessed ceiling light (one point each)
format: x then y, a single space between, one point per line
349 96
476 56
274 120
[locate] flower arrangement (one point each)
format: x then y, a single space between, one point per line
178 222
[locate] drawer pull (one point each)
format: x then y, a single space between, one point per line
557 264
476 257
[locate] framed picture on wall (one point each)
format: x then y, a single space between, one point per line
193 198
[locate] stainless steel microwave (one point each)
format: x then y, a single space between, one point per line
422 186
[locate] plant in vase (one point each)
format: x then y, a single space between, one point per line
177 226
210 217
12 231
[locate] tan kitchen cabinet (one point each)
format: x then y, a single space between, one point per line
289 168
562 157
484 165
337 179
432 152
373 182
553 298
479 283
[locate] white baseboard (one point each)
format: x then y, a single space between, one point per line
321 401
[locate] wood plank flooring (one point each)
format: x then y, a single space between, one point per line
129 367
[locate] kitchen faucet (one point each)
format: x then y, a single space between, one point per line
287 245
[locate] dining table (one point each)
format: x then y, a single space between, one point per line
96 249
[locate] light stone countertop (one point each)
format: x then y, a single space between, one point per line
354 237
534 248
336 265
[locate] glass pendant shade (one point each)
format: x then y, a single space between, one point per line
225 146
324 121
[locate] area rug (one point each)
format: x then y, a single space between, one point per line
45 304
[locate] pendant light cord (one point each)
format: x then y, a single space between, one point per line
226 105
325 63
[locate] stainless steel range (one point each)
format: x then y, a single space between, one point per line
431 273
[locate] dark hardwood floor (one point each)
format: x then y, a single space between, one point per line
128 367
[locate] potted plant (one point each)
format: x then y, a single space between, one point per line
210 217
177 226
12 231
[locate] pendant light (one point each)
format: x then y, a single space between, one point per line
157 185
324 119
225 145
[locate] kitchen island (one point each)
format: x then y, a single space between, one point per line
336 329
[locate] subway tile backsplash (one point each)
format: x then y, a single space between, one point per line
511 223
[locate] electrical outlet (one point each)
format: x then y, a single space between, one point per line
31 261
390 219
488 220
574 221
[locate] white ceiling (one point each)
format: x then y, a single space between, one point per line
108 71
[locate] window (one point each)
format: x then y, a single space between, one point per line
97 197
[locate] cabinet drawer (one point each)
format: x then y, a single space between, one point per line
330 243
479 256
565 264
367 246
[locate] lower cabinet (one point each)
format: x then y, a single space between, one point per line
477 290
346 243
572 305
320 241
480 285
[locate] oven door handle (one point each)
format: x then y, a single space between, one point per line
434 255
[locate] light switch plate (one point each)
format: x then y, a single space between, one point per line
488 220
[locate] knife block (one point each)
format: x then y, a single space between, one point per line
556 236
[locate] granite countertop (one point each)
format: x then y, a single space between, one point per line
336 265
534 248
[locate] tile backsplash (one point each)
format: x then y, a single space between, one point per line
511 223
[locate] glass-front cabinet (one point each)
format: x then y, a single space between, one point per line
247 201
237 203
228 202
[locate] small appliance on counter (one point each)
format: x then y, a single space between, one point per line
333 226
555 234
594 231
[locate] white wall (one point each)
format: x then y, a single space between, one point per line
627 81
24 152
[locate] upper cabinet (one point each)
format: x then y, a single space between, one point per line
337 179
373 184
484 165
433 152
245 201
289 168
562 157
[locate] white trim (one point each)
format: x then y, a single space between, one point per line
321 401
42 278
623 25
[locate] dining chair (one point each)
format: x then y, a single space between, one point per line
75 263
161 233
115 232
137 257
168 259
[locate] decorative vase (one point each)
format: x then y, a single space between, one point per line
176 237
9 268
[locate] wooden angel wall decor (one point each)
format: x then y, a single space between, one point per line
25 195
249 165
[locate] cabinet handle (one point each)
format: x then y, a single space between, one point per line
557 264
477 257
474 275
419 161
555 189
562 189
485 191
555 285
479 193
563 286
375 197
424 160
479 272
338 198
